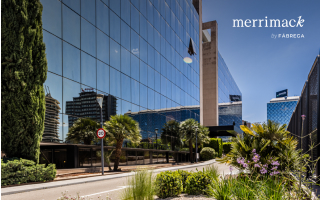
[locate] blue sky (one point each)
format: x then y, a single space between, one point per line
261 65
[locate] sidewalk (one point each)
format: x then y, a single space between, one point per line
31 187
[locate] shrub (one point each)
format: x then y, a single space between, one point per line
216 144
184 175
212 171
168 184
141 186
207 153
197 183
24 171
226 147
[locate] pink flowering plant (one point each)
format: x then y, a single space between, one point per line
266 148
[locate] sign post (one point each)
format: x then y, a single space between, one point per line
101 133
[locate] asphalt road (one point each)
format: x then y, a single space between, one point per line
112 187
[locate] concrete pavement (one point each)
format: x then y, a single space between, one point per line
39 186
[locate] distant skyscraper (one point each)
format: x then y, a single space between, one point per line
86 106
51 121
281 109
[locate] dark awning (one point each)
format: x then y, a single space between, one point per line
230 130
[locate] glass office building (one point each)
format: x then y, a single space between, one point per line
230 109
280 109
130 50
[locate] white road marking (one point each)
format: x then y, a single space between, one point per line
121 187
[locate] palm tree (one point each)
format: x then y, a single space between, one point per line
83 131
171 134
122 127
189 129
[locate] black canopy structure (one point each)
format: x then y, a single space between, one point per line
229 130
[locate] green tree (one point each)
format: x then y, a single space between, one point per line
122 127
83 130
171 134
23 72
189 130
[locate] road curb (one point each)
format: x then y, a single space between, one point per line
40 186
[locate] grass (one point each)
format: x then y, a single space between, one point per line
141 186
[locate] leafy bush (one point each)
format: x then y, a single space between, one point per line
207 153
197 183
216 144
141 186
226 147
168 184
184 175
24 171
266 148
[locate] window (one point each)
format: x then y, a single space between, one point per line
125 11
115 27
88 10
125 35
135 17
135 67
51 16
135 43
115 82
88 37
53 52
115 6
103 47
102 17
125 87
71 26
114 54
125 61
143 73
71 62
88 70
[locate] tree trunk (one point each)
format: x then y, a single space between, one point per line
190 149
118 154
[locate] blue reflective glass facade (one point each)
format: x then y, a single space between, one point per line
281 112
229 112
131 51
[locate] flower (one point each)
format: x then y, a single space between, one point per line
256 158
254 150
256 165
274 173
231 168
274 168
263 170
245 165
275 163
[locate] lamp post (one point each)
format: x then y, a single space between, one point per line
156 131
196 144
100 100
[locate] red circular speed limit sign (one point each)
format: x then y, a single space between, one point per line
101 133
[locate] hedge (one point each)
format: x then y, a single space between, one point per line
24 171
226 147
207 153
197 183
216 144
169 184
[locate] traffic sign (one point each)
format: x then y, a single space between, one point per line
101 133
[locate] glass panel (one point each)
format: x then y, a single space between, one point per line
135 67
157 61
163 85
125 87
115 82
103 47
135 15
163 26
71 26
143 73
150 99
88 70
71 89
136 3
157 40
88 37
150 56
143 50
88 10
102 17
143 27
151 78
125 35
135 44
143 96
163 102
169 71
169 89
115 6
135 91
53 52
156 20
157 104
150 34
73 4
115 27
150 12
51 16
71 62
125 11
126 107
163 66
157 81
54 84
103 77
114 54
125 61
143 7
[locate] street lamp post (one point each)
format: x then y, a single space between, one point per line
156 131
196 144
100 100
